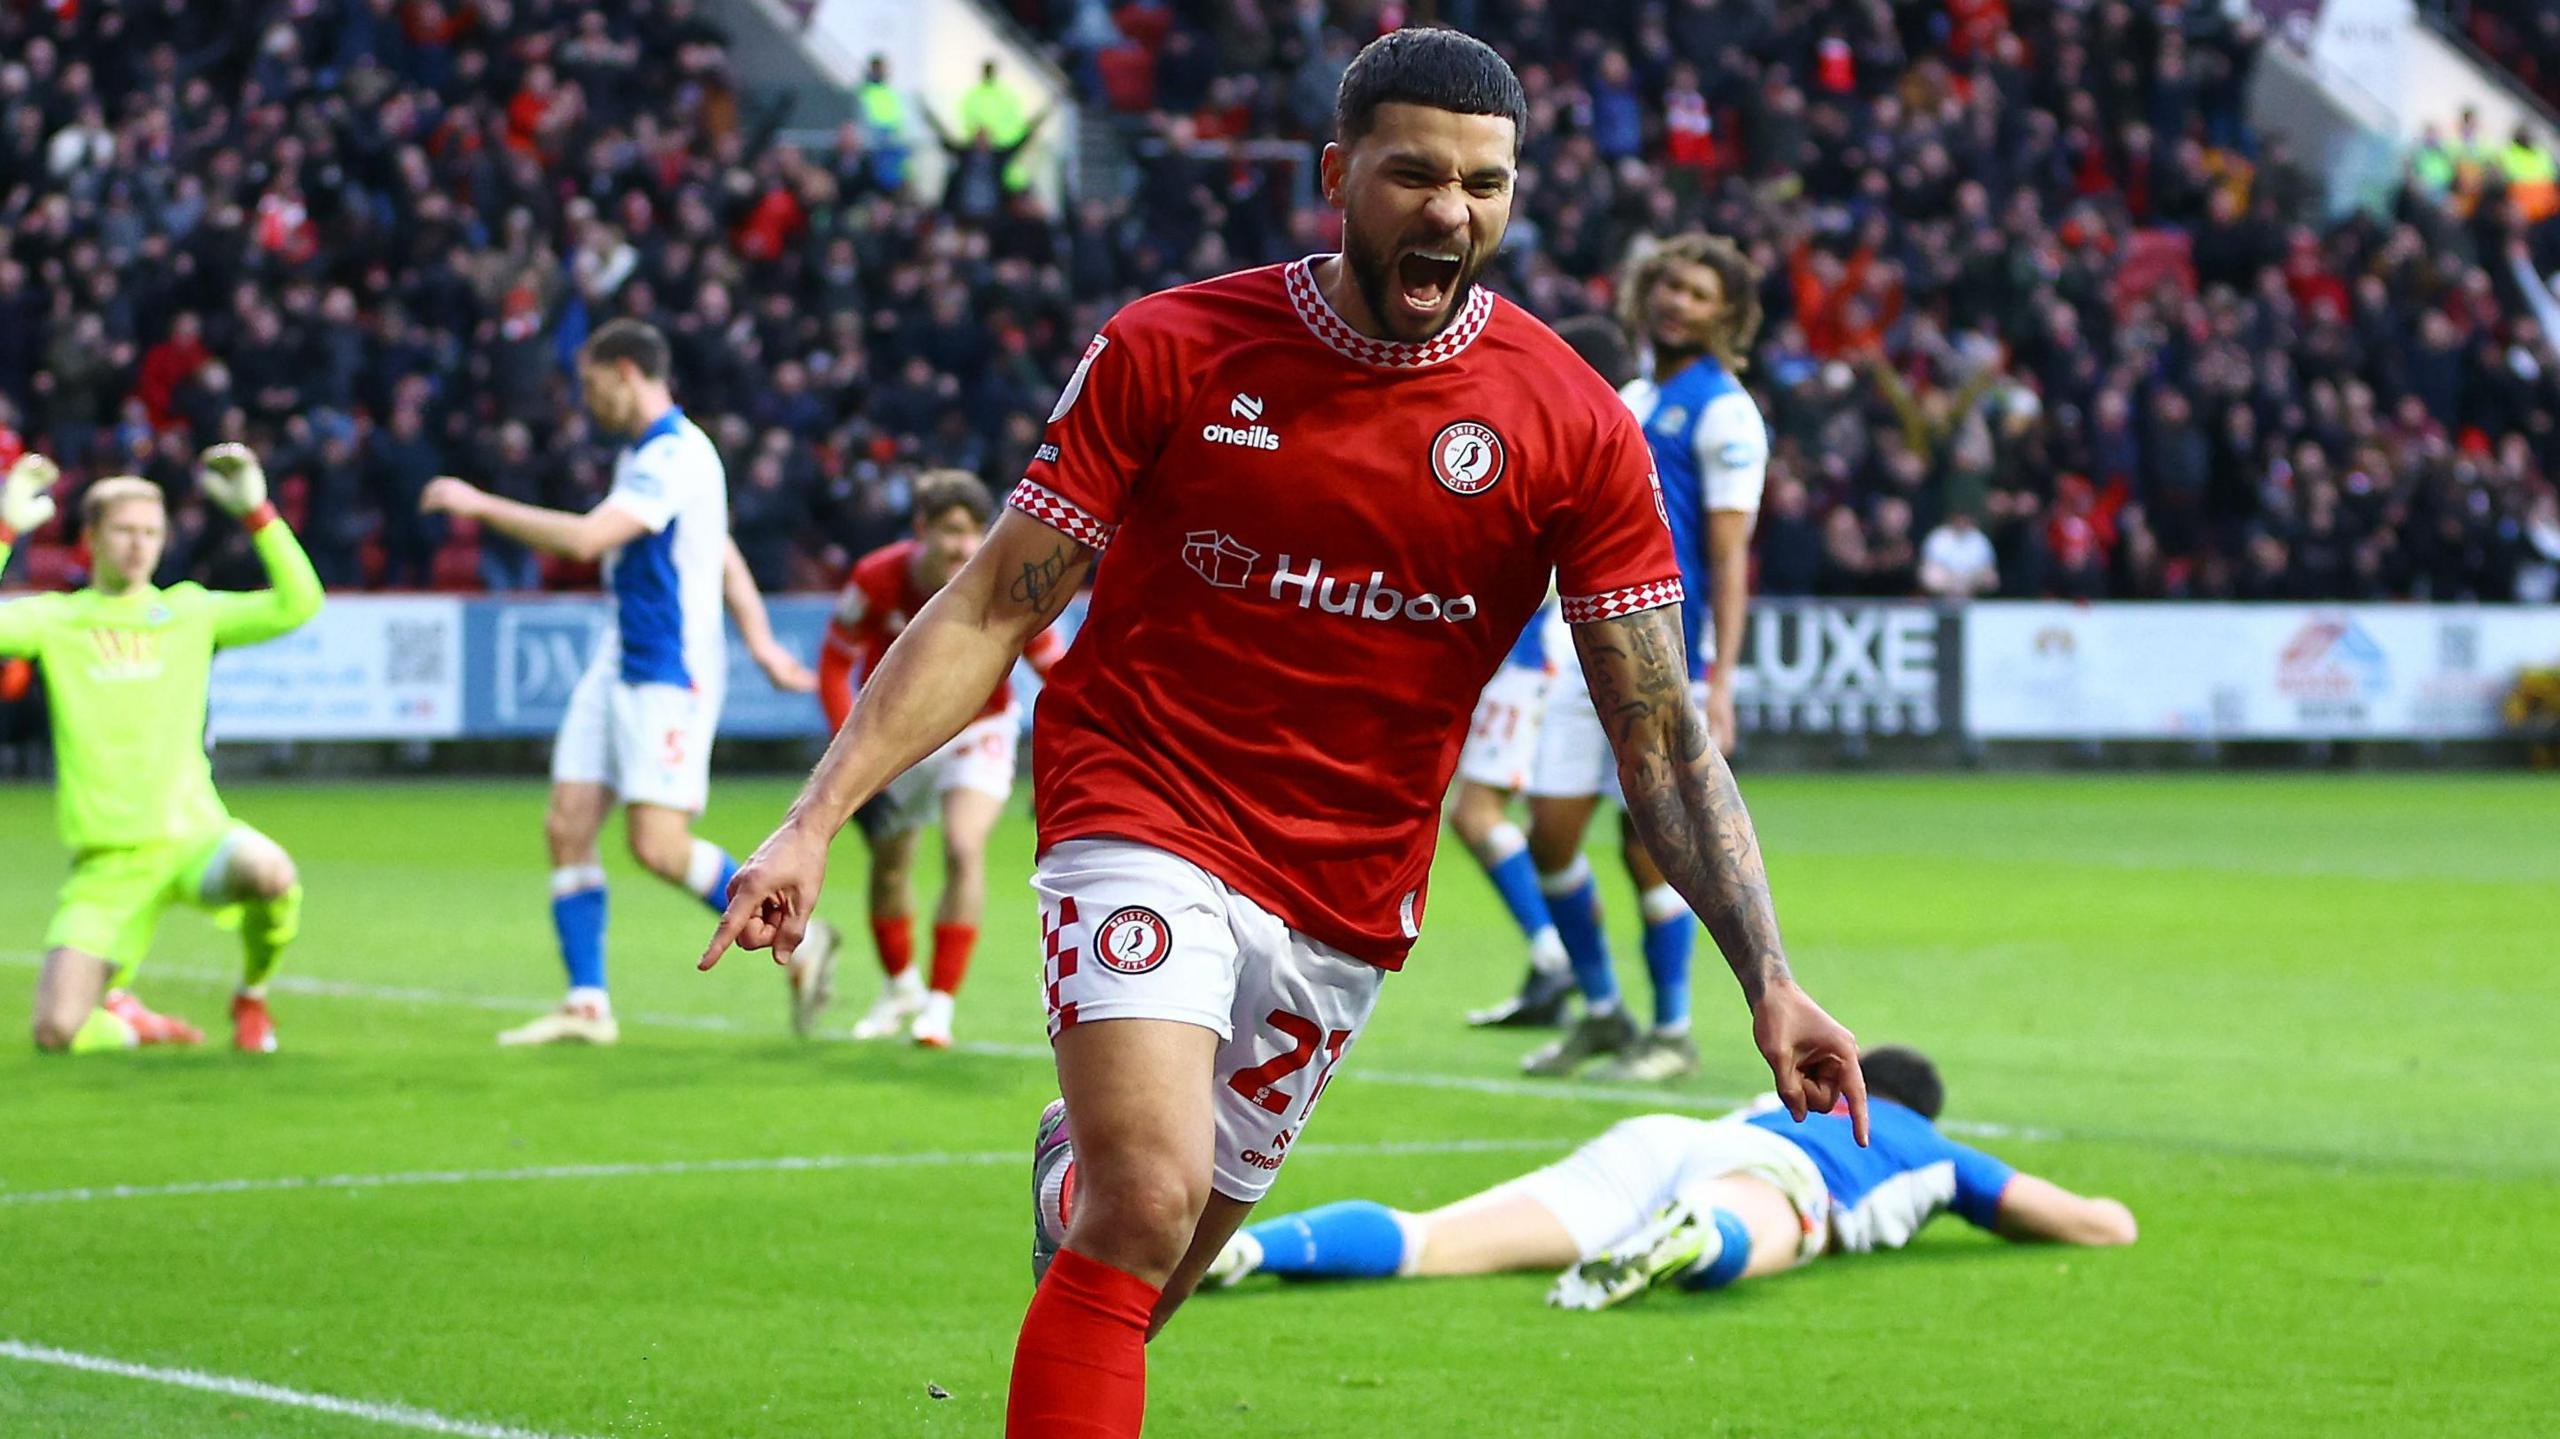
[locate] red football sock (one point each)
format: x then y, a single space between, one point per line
896 937
1080 1367
951 946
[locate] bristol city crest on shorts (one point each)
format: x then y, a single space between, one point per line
1466 457
1133 940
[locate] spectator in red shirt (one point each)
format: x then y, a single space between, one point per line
169 364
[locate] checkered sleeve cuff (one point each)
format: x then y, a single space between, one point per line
1584 609
1062 514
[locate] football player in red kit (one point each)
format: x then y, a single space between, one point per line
1332 491
967 781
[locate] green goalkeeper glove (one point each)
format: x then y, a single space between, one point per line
25 504
231 477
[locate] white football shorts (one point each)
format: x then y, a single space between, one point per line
1502 740
979 758
1609 1188
1131 932
1574 760
649 743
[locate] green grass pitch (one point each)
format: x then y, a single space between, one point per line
2304 1026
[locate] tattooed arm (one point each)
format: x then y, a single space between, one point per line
933 679
1682 801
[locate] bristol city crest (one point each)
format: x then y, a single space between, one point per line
1466 458
1133 940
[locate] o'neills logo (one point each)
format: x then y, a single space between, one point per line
1372 599
1254 437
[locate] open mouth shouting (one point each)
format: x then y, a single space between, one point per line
1426 278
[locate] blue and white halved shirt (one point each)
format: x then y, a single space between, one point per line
666 585
1712 451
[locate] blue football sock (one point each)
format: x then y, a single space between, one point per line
577 916
1669 936
708 872
1515 878
1733 1254
1573 902
1354 1239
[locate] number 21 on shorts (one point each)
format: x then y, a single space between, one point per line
1260 1083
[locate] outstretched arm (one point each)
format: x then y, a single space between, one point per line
292 596
2033 1209
26 506
230 476
941 134
932 680
1682 800
23 622
1030 133
746 606
585 538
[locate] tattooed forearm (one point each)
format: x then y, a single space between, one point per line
1680 795
1043 585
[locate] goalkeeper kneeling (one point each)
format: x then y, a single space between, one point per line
126 667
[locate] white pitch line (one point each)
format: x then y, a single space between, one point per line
785 1163
1551 1089
401 1416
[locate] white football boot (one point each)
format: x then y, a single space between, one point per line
1238 1261
932 1028
900 1000
576 1021
812 976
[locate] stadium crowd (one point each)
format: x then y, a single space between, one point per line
2045 317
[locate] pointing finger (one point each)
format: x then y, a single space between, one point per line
730 919
1853 1083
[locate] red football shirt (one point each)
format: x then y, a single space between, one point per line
880 597
1319 547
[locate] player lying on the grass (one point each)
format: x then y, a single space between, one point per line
1695 1204
1692 301
1332 492
640 722
126 667
1502 747
968 779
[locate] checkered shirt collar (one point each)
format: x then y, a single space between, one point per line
1338 336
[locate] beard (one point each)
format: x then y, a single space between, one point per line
1671 358
1375 265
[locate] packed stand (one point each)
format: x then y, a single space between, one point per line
2045 317
368 235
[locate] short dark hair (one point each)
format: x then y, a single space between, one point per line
1602 346
1425 65
628 339
1905 1076
940 490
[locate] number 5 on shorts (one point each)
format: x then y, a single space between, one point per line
1258 1083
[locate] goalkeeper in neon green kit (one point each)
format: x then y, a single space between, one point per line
126 666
